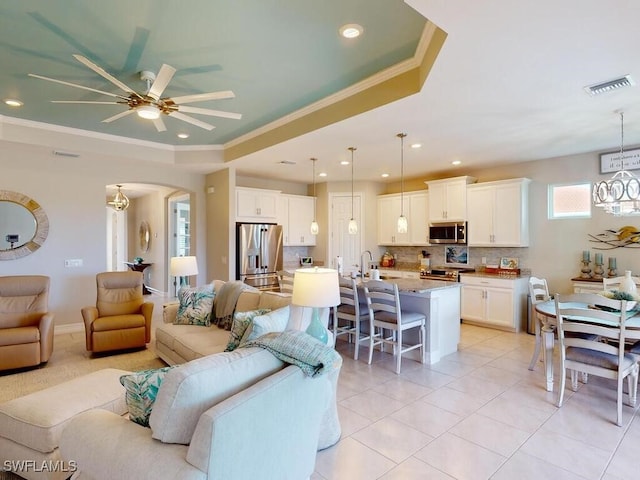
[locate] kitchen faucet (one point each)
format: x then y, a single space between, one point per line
362 266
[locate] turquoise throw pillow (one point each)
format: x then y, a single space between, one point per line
242 321
196 305
141 392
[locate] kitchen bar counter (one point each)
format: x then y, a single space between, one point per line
440 302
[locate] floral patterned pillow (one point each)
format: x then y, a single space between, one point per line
141 392
242 321
196 305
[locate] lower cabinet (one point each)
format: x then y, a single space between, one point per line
587 287
494 302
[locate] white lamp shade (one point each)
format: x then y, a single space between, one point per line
402 224
183 266
316 287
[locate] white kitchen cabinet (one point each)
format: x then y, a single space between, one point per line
494 302
498 213
295 215
256 205
448 199
415 209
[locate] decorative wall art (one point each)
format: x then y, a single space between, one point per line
456 255
610 162
626 237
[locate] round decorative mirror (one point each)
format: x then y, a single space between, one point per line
145 236
23 225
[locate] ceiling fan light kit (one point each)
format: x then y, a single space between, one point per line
151 104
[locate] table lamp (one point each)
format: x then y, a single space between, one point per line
316 288
183 267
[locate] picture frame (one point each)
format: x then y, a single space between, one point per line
508 263
456 255
610 162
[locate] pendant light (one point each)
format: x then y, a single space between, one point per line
619 195
314 225
119 202
402 220
353 226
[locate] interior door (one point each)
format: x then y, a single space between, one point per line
179 211
341 242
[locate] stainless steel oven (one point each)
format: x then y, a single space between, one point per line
446 274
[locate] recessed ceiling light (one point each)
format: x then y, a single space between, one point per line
456 162
416 145
183 135
13 102
351 30
322 174
344 162
384 175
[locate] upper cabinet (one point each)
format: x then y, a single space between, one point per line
448 199
295 216
498 213
256 205
415 210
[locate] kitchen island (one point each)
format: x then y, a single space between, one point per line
440 302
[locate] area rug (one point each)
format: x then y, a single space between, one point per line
70 360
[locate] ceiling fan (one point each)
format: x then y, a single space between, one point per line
150 105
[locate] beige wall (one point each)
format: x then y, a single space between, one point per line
72 193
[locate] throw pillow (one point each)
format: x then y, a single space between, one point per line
275 321
141 391
241 321
196 305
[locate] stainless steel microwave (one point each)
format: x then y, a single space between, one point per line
452 232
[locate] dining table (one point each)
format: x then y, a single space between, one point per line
546 312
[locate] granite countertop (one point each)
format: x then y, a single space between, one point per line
417 285
494 275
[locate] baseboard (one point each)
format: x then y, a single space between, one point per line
68 328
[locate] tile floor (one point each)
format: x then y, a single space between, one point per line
477 414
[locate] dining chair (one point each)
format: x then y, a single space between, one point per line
538 292
385 313
605 357
351 314
613 283
285 281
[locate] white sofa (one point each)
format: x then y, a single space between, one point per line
231 416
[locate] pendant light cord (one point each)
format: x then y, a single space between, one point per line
621 140
401 135
352 150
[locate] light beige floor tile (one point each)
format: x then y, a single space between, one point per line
350 421
460 458
372 405
496 375
402 389
484 350
468 358
454 401
427 418
510 413
531 396
503 438
454 369
564 452
480 388
414 469
624 463
427 378
393 439
526 467
350 459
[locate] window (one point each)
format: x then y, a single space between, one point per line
570 201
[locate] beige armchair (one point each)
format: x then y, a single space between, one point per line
26 328
121 318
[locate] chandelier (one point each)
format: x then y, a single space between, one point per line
620 195
119 202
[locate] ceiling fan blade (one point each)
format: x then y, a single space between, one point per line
159 124
117 116
201 97
212 113
162 80
77 86
81 101
191 120
103 73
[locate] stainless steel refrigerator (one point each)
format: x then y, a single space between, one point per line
259 254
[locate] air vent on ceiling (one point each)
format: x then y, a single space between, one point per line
286 162
609 85
61 153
